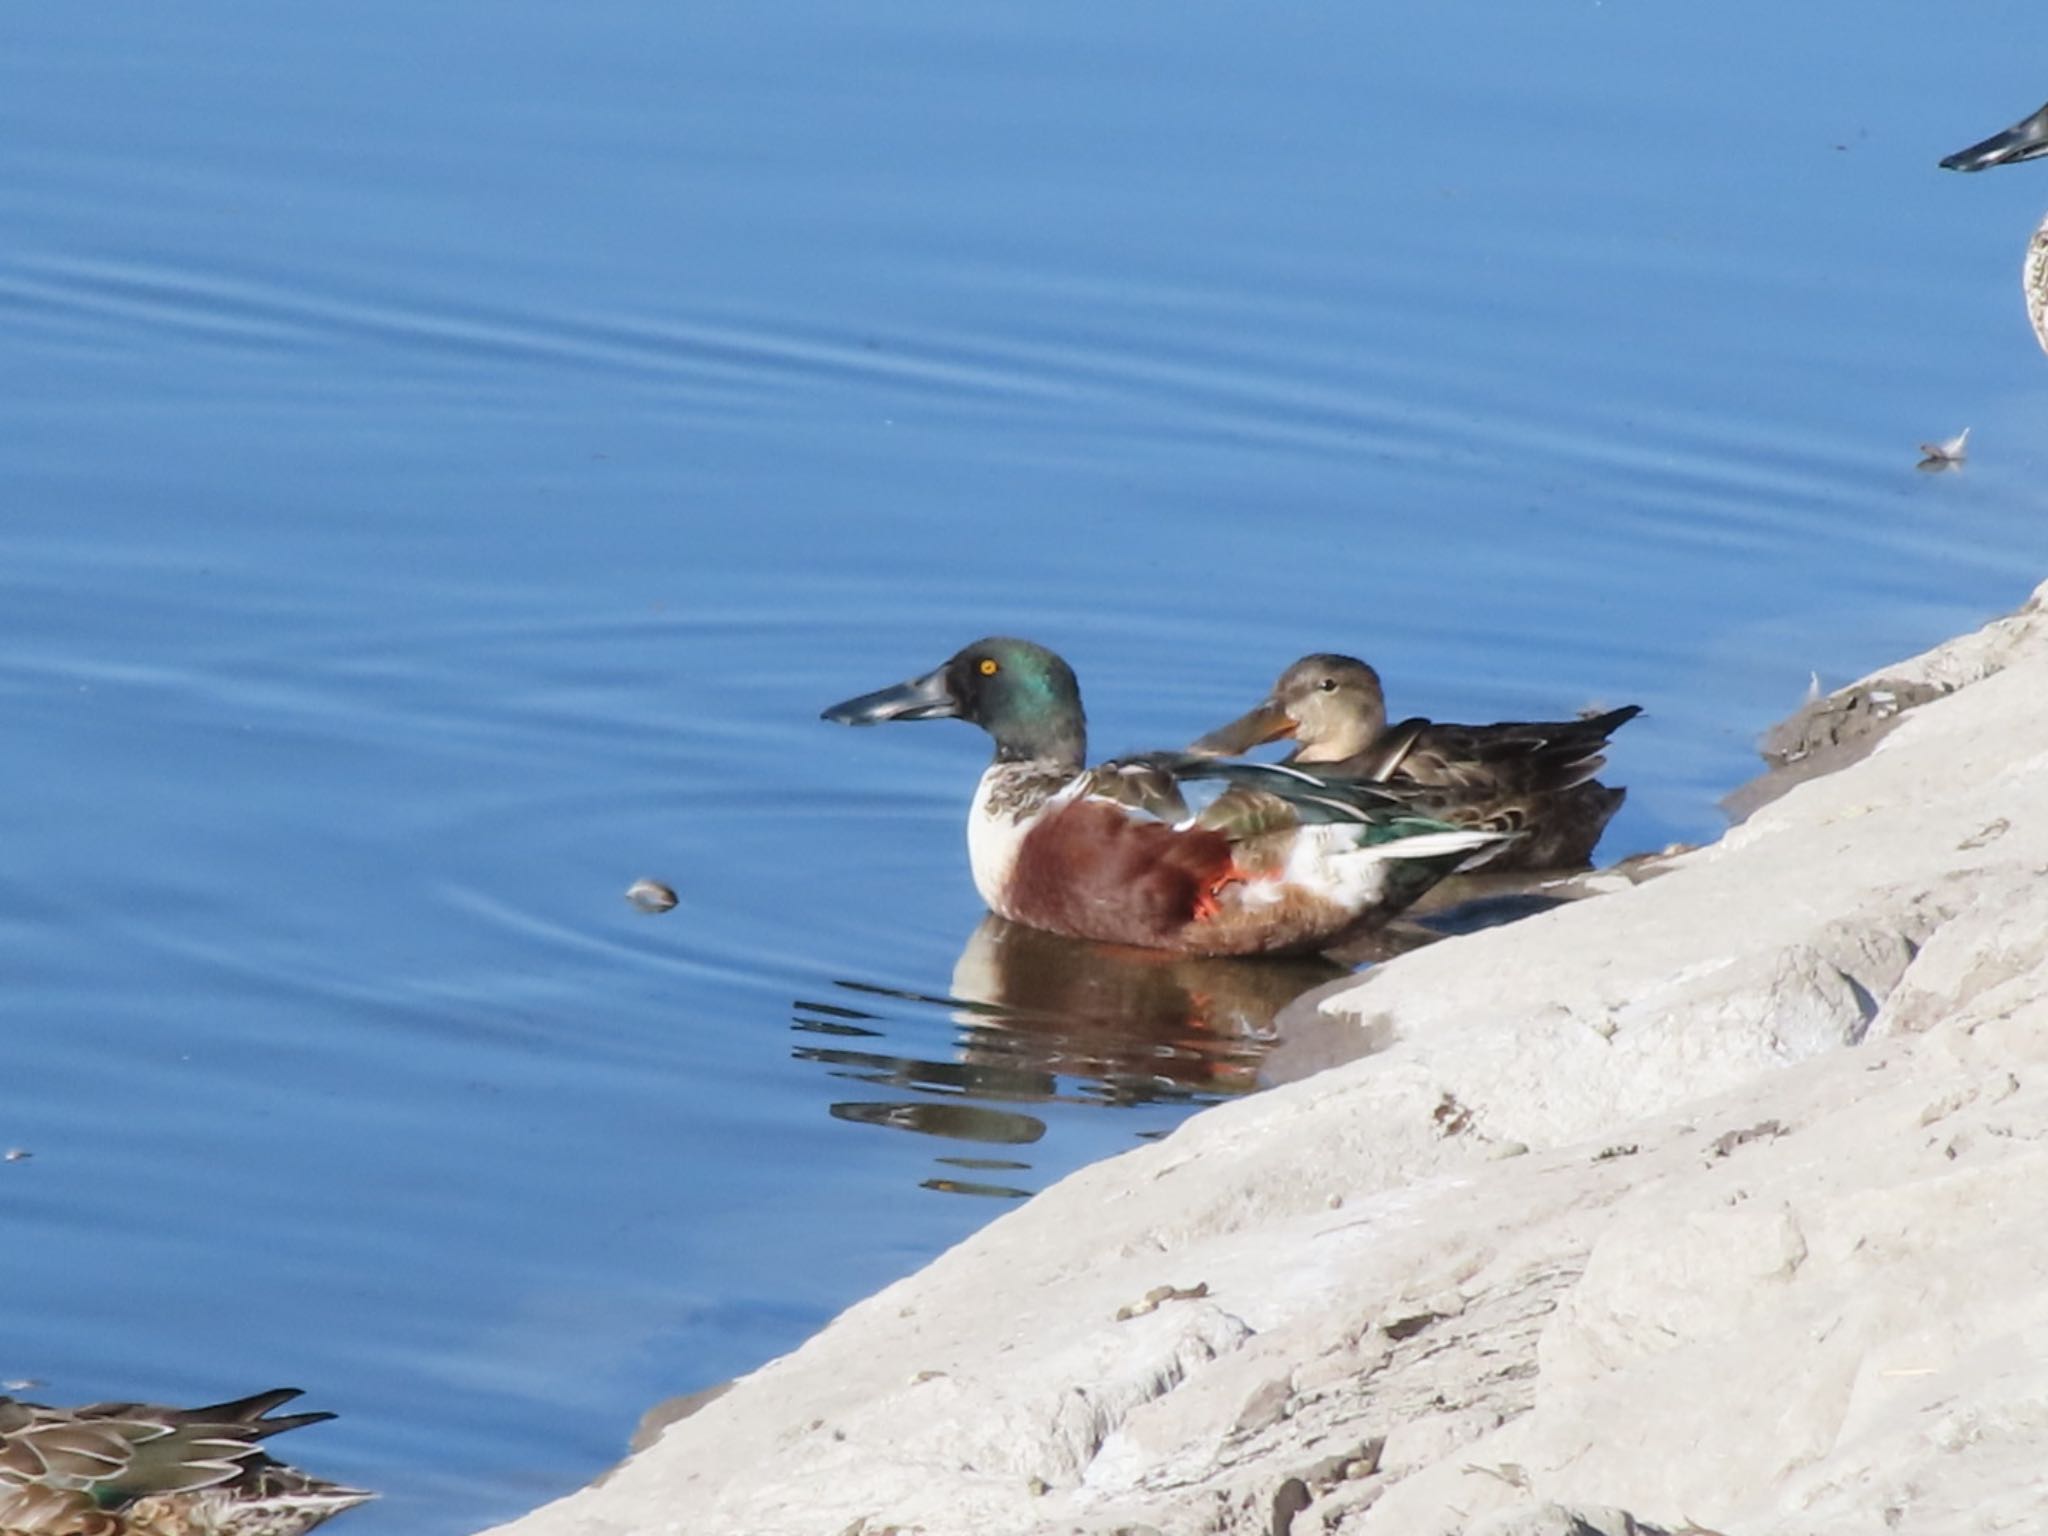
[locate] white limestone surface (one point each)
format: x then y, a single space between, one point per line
1718 1203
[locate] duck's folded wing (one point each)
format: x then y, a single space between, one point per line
1535 755
1144 785
1258 798
116 1459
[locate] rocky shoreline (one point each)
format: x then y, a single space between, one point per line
1716 1204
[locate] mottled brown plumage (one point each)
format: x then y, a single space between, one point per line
135 1469
1532 778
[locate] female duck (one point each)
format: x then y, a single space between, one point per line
131 1469
1535 778
1283 861
2025 140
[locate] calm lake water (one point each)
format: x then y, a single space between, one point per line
451 454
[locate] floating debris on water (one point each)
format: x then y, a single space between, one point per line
18 1154
651 896
1948 453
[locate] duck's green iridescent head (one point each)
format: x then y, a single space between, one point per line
1021 694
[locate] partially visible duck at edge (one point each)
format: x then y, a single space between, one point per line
1283 861
2024 140
1533 778
135 1469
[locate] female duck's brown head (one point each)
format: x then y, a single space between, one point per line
1331 706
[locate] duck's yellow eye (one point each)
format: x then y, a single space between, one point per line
989 666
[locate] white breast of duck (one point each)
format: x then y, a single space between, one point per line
1010 800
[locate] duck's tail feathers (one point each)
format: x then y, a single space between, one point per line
1440 844
254 1411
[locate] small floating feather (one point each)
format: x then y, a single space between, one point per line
1946 454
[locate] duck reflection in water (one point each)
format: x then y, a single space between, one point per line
1047 1019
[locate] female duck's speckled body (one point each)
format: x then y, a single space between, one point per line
1531 778
134 1469
1282 861
2024 140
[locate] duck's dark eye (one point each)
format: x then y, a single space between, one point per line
989 666
1328 685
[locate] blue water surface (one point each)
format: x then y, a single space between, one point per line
452 452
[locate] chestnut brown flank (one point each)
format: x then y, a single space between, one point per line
1091 871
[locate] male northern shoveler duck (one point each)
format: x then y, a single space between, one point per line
2024 140
1283 861
1533 778
132 1469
